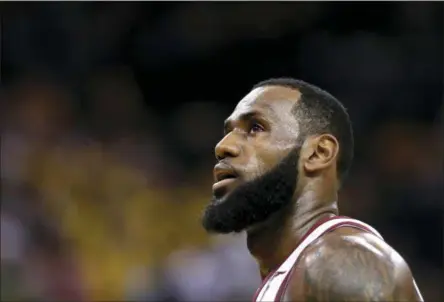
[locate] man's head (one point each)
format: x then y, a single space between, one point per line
282 136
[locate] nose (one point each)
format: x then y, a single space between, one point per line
227 147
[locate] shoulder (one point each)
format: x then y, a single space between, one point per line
350 265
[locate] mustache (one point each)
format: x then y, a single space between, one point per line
225 165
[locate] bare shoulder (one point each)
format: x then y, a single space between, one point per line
350 265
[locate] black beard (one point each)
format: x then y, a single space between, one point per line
255 201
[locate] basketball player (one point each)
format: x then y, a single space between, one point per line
287 148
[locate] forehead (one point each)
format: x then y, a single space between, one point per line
274 102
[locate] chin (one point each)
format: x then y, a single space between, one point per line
218 200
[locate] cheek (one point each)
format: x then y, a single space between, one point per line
254 168
262 162
277 150
264 153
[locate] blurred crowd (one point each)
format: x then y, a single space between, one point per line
96 210
102 192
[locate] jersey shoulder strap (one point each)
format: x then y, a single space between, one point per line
325 227
274 285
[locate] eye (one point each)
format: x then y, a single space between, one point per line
255 127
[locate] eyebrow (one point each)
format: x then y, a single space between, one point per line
247 116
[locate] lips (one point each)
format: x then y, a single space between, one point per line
224 175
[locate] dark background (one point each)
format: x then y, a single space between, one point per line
110 113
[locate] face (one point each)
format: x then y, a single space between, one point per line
258 157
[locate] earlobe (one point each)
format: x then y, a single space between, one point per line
323 151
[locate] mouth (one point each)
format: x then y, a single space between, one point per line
224 175
223 178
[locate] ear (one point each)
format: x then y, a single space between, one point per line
321 153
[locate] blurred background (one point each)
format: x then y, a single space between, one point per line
111 111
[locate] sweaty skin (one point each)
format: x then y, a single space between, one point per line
351 265
343 265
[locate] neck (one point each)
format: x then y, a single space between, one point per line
272 242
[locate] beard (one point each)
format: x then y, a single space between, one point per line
255 201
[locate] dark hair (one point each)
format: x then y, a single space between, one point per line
319 112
